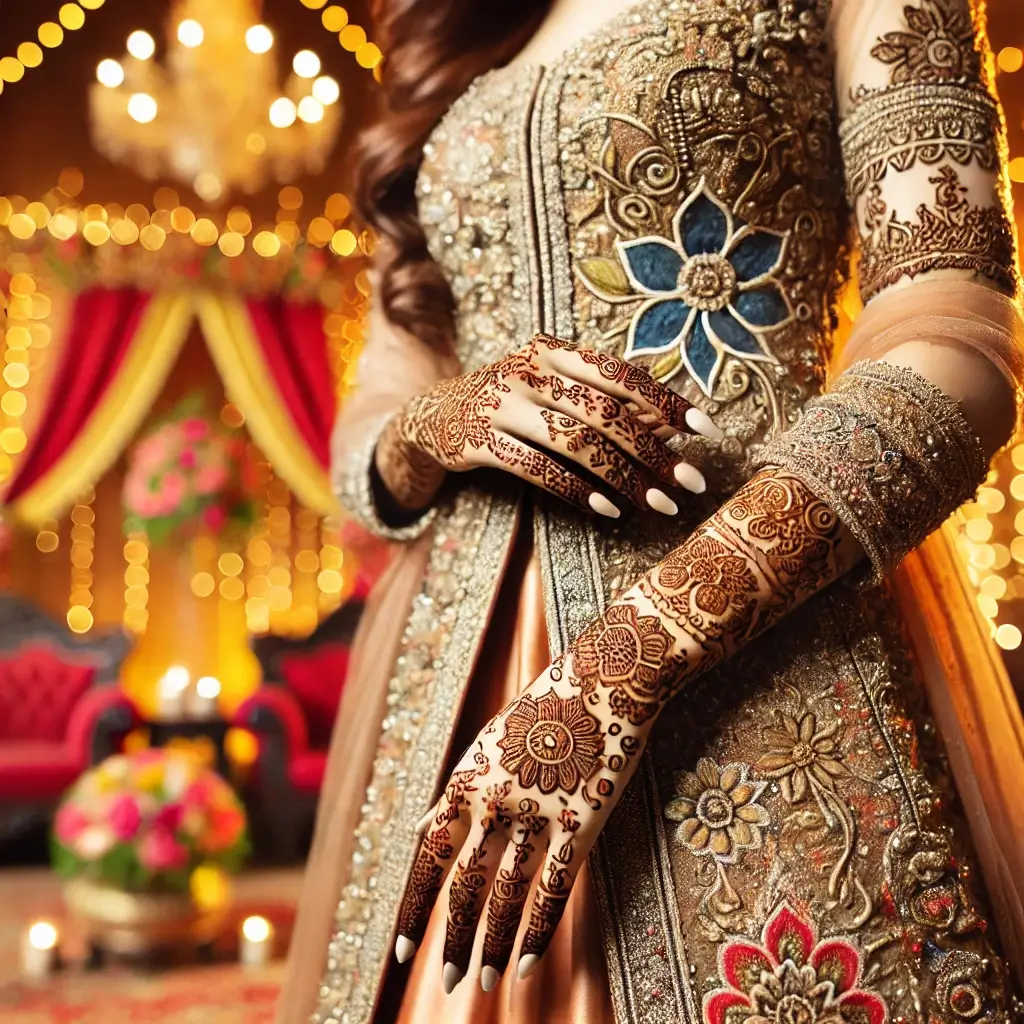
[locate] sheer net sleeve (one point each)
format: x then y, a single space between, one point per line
924 149
393 369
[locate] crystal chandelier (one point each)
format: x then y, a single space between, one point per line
214 115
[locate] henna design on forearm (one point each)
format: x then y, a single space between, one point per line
937 111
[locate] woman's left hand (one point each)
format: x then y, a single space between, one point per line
529 798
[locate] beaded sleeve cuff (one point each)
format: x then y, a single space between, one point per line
890 453
355 491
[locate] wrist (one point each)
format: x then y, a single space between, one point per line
411 477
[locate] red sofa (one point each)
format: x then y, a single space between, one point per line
292 715
61 708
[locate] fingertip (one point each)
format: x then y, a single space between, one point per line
700 422
602 506
527 965
450 977
661 502
690 477
404 948
489 977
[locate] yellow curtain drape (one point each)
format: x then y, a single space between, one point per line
236 353
155 347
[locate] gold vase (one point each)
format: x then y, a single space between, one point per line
139 923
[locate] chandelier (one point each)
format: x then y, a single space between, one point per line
214 114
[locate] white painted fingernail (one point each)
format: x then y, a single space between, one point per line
661 502
404 948
489 977
690 477
702 423
527 965
425 820
602 506
450 978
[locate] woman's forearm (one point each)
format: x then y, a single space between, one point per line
767 550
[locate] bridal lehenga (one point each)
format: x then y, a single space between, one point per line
672 191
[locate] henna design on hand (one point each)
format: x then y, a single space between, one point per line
551 743
494 416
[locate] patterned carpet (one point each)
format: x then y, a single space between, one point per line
218 992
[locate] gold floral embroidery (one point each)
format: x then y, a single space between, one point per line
802 756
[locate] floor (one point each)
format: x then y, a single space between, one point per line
189 992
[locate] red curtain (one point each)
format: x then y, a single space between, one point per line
102 326
291 338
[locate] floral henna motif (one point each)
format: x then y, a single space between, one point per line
552 743
791 976
935 45
627 653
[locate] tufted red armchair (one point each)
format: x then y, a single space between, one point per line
292 715
61 709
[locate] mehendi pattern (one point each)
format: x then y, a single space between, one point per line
936 111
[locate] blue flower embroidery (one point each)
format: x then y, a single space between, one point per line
710 291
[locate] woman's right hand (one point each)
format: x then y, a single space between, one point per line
594 411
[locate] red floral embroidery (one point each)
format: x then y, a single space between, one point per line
790 977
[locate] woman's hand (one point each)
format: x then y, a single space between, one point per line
591 410
531 795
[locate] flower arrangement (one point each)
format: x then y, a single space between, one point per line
145 822
186 473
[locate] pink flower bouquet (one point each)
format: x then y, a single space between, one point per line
143 822
186 473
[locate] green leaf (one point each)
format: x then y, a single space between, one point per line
605 278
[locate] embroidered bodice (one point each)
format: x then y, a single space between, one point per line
668 191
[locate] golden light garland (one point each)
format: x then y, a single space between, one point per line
150 228
136 583
352 37
50 34
330 581
83 538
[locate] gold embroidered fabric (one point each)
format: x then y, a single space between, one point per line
889 452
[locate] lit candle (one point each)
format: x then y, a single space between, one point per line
204 700
39 950
172 686
256 943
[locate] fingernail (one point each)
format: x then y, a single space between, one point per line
661 502
703 424
489 977
404 948
450 978
527 965
425 820
690 477
602 506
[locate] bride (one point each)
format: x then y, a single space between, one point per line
636 727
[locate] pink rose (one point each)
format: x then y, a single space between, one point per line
170 493
194 428
187 459
160 851
211 478
151 452
125 817
70 821
168 818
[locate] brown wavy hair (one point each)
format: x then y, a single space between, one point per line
434 49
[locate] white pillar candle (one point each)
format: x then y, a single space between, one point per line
256 942
39 950
172 686
204 702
